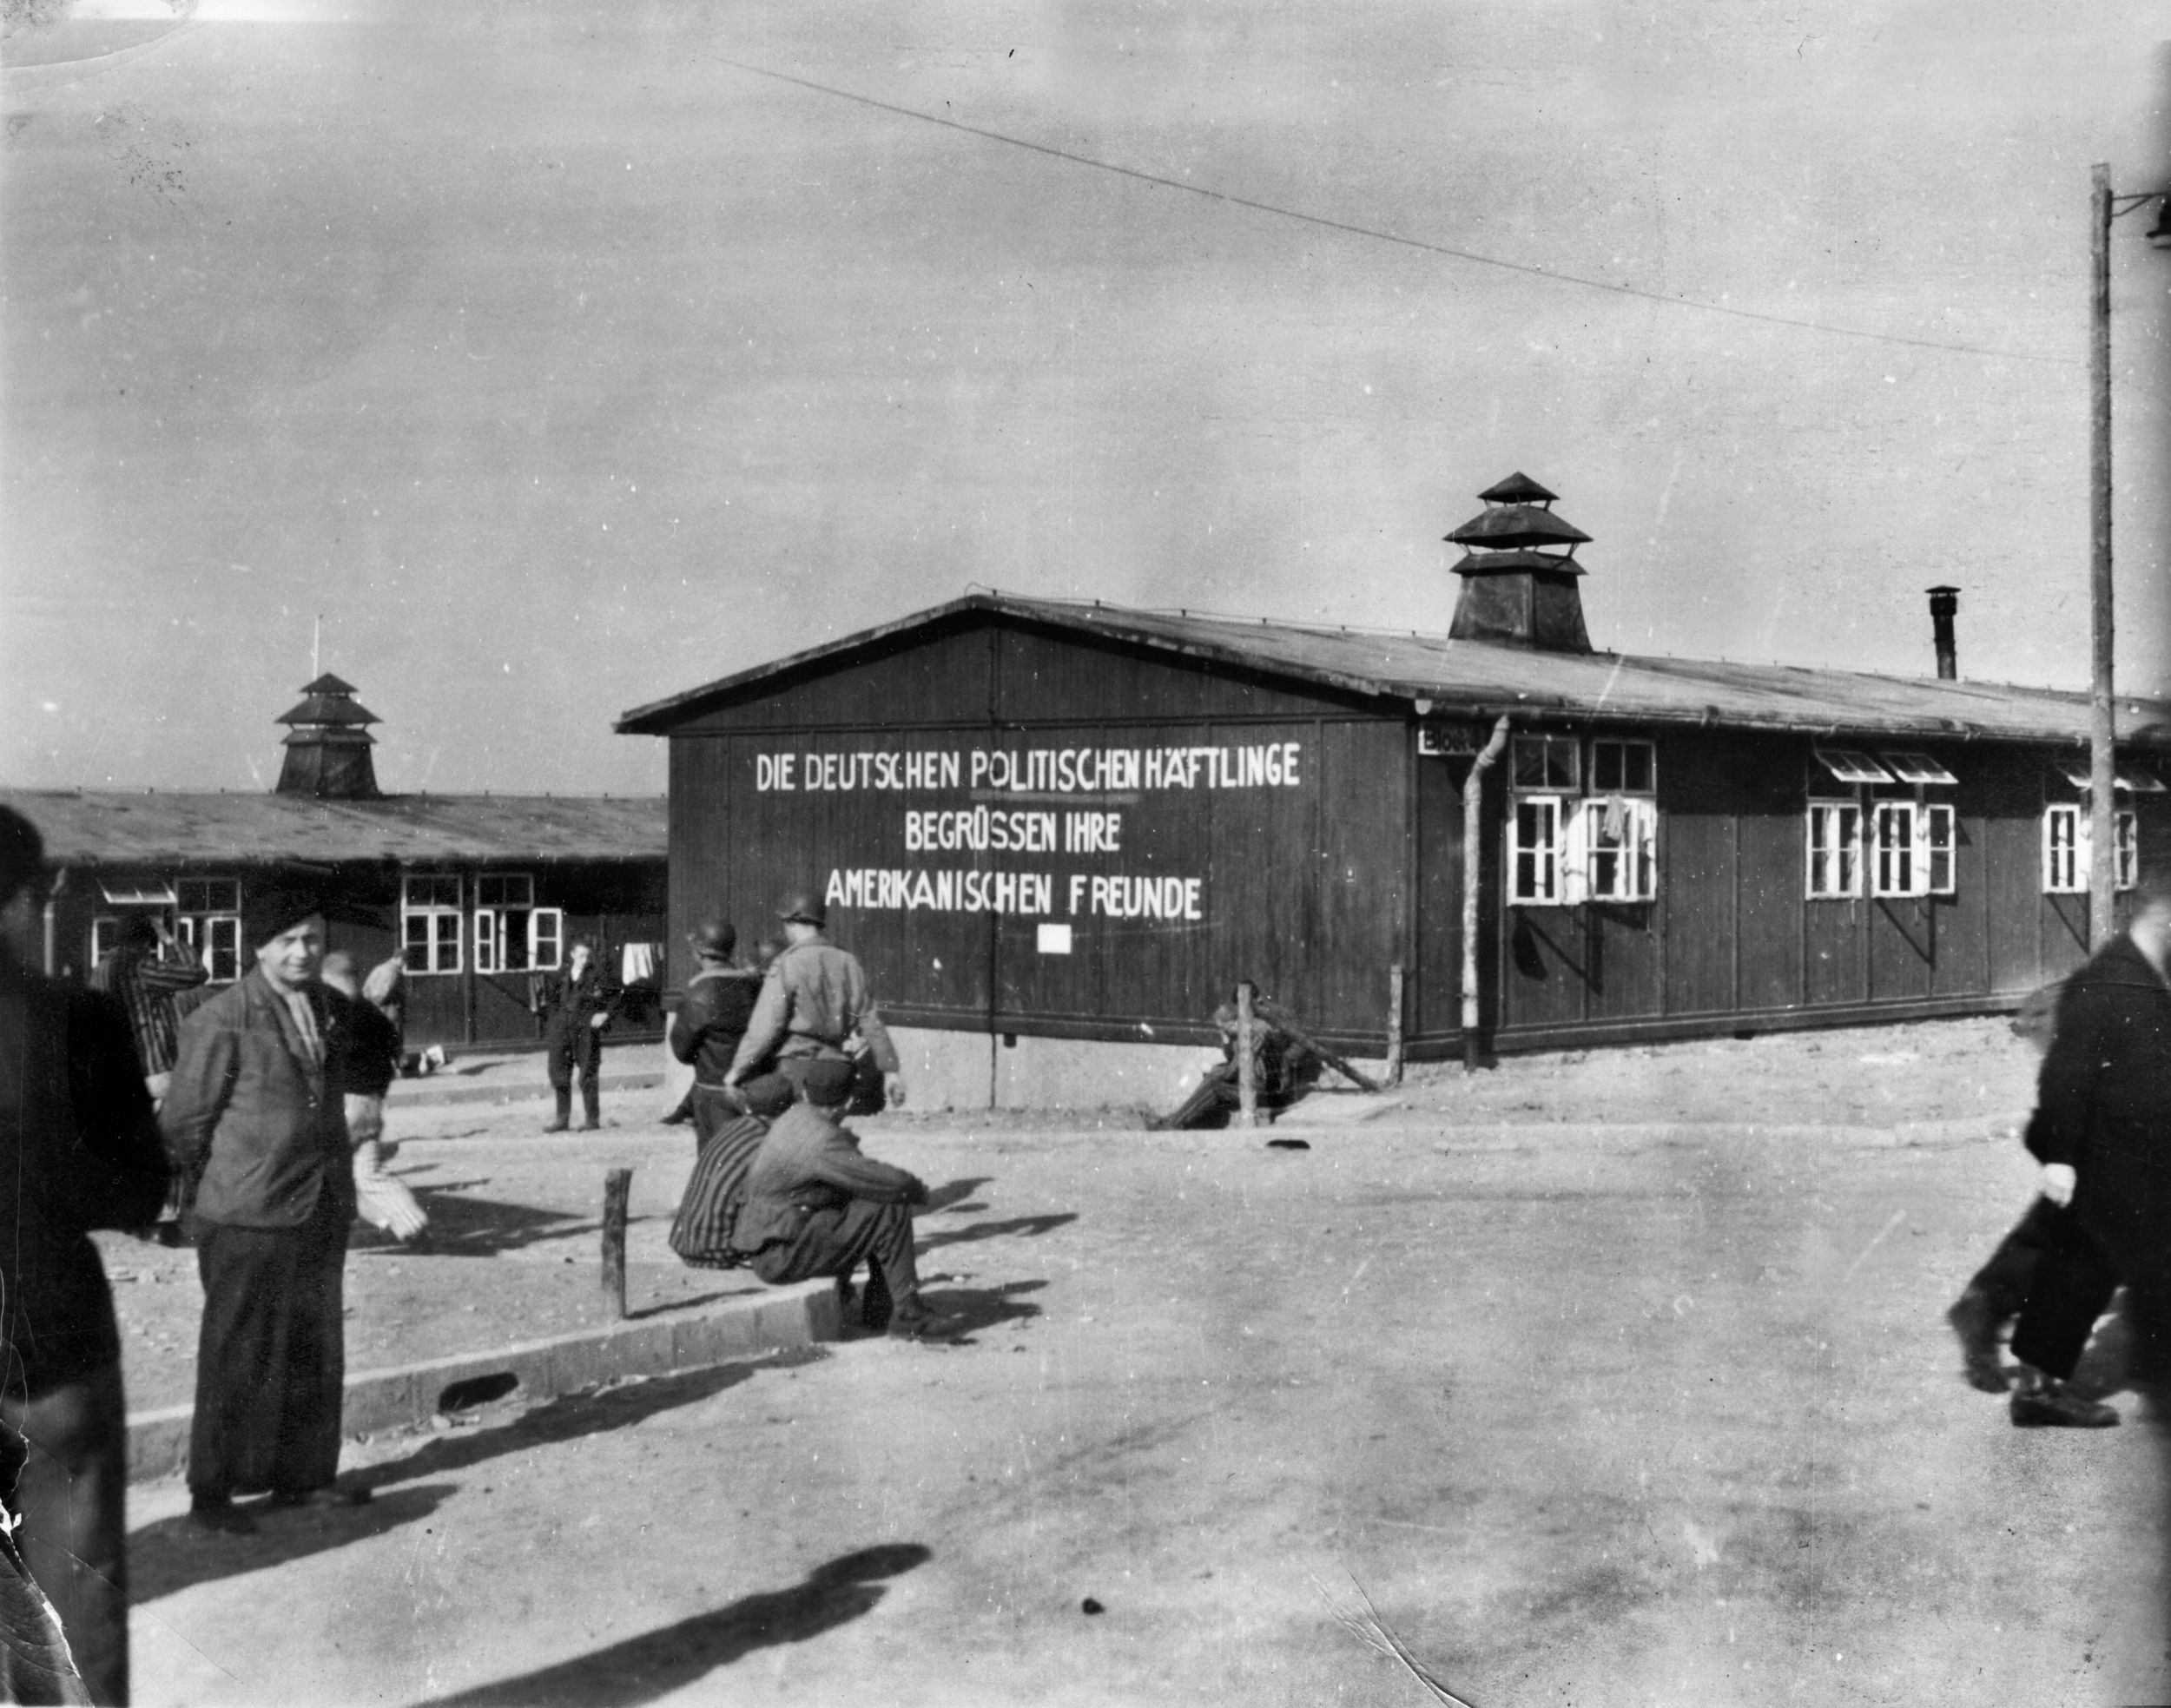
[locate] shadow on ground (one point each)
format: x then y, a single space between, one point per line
978 1308
173 1555
1025 1227
641 1669
465 1227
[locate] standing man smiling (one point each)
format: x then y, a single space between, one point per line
253 1122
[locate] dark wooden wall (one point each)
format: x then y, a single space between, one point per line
1731 941
1303 889
615 902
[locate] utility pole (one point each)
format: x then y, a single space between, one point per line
2102 726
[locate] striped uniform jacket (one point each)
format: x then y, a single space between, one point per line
146 981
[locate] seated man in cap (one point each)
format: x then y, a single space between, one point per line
815 1206
711 1021
813 1006
255 1125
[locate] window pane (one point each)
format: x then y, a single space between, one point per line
1530 761
226 949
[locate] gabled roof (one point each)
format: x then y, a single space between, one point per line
113 827
1477 678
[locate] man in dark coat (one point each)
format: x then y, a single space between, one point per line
255 1121
711 1021
577 1004
78 1150
2102 1132
815 1206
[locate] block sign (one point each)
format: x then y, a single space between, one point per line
1448 741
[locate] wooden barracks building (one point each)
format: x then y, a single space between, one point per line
1037 820
476 893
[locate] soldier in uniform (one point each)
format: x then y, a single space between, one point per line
578 1004
813 1006
711 1019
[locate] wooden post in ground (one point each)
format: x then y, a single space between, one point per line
616 1185
1394 1024
1247 1064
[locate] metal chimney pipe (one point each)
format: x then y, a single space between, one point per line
1944 602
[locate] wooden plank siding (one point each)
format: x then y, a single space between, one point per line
1312 891
1736 937
614 902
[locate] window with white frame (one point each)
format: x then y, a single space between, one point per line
208 918
1835 850
511 933
1617 840
1911 847
430 922
1534 851
2068 842
1938 834
1565 847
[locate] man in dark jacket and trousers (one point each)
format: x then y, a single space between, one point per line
577 1004
711 1021
814 1006
2102 1132
815 1206
79 1150
255 1121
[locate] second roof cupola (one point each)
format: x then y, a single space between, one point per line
1518 572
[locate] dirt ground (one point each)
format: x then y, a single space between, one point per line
1610 1378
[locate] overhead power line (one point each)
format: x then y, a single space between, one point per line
1351 229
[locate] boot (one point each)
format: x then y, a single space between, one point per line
1974 1318
2042 1401
590 1106
565 1116
875 1308
912 1321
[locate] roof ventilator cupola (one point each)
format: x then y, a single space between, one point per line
327 745
1518 572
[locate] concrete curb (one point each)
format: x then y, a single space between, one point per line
799 1316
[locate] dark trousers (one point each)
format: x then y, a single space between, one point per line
835 1242
270 1361
71 1498
577 1047
2005 1280
2085 1263
713 1109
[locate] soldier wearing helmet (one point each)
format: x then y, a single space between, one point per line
813 1006
711 1021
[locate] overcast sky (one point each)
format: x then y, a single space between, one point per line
565 357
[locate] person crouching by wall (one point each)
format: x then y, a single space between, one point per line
254 1120
577 1005
79 1150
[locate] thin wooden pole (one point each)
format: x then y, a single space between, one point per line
616 1185
2102 732
1394 1024
1247 1068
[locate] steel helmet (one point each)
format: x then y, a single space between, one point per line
805 906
